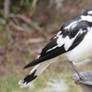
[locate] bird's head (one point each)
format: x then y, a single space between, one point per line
88 12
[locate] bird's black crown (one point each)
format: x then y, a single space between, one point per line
88 12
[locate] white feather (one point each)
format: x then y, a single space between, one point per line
83 62
83 50
86 18
41 67
89 12
60 41
51 49
67 42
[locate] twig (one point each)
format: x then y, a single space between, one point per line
6 8
36 40
34 3
18 29
29 21
33 7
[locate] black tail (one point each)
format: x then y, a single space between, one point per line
29 77
34 73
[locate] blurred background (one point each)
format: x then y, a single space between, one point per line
25 27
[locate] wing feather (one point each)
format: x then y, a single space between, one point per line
64 41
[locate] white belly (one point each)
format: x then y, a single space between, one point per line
83 50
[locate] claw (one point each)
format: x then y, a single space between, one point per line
80 77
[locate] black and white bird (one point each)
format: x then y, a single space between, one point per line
74 39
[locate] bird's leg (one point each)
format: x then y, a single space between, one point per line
75 69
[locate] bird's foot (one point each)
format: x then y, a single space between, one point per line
79 76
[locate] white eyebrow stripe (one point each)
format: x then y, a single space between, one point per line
89 12
86 18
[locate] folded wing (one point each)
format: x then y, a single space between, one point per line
65 40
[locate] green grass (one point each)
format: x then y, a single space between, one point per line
10 83
3 35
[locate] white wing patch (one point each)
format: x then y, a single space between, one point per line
60 41
67 42
52 48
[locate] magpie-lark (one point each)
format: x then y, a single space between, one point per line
74 39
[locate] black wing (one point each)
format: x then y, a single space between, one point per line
70 38
50 51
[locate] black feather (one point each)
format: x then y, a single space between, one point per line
78 40
30 77
47 56
48 52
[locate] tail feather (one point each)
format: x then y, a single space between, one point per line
35 72
30 77
32 63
